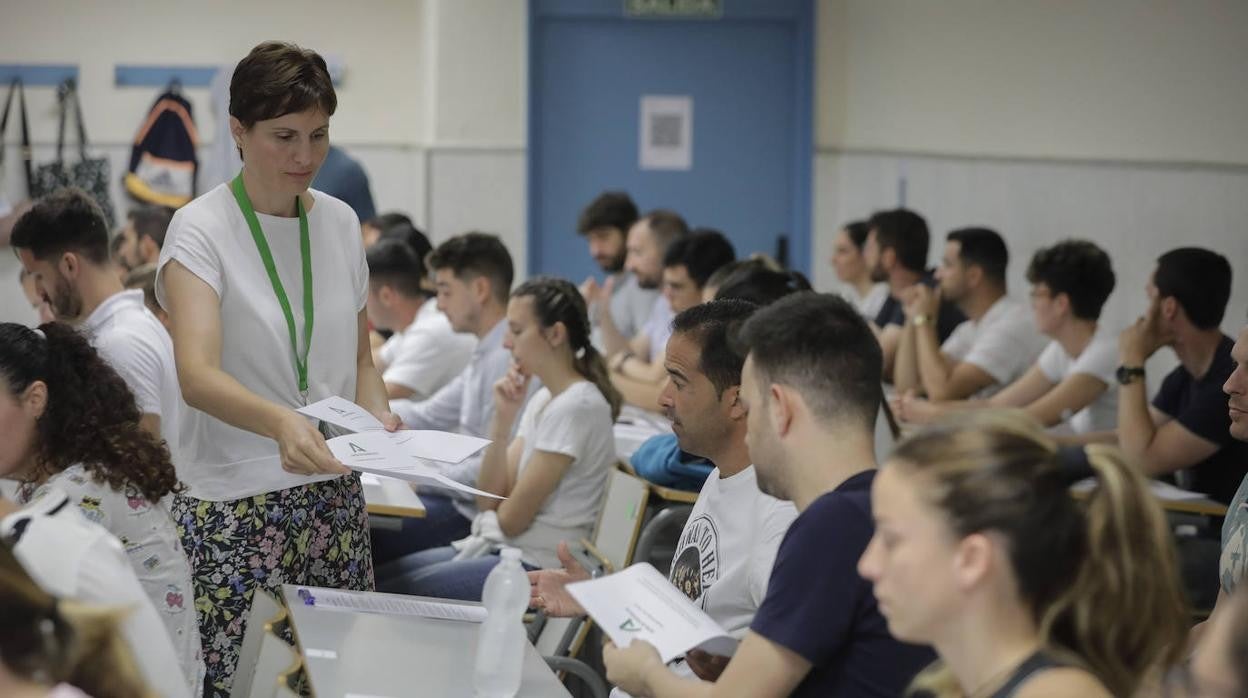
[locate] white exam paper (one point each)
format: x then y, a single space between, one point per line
1161 490
640 604
395 606
440 446
375 452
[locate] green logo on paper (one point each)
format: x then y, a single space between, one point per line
630 626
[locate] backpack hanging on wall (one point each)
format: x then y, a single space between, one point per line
163 162
90 174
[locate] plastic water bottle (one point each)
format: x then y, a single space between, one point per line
500 645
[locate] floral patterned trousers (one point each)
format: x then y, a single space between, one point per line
314 534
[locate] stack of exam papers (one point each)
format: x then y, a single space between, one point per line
406 454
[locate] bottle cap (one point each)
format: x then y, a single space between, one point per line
509 553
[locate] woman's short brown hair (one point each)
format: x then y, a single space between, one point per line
279 78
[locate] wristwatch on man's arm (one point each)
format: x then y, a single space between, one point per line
1129 374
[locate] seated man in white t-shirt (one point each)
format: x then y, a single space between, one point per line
63 243
1072 382
987 352
72 558
725 553
424 353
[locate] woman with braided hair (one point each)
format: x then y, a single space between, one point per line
554 471
72 431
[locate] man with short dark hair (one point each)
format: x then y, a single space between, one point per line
63 243
1188 425
687 265
810 384
604 224
996 344
896 252
143 236
424 353
725 552
473 275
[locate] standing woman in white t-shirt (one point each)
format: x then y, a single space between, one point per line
554 472
265 283
1072 383
866 293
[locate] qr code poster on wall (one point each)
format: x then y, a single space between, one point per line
666 141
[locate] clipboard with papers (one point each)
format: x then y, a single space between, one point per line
406 454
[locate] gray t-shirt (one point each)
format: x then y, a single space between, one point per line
630 307
1235 540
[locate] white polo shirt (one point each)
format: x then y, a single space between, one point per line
72 558
1004 343
130 338
210 237
427 354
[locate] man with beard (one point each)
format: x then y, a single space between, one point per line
896 252
996 344
725 553
63 243
604 224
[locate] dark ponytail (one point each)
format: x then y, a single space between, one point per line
557 300
91 416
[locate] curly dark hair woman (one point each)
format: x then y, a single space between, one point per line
83 413
71 430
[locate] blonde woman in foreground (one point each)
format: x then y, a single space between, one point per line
51 648
981 552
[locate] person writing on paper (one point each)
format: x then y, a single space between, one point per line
810 384
265 283
50 648
473 275
553 473
1071 381
75 428
725 552
981 551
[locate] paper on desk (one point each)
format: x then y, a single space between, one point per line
639 603
1161 490
375 452
392 605
440 446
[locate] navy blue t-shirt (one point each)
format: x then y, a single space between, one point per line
1200 405
818 606
948 317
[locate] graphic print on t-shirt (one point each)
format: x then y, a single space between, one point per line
696 566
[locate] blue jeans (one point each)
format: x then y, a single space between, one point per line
441 524
436 573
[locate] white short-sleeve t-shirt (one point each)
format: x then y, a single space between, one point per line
72 558
427 354
577 423
1099 360
1004 343
150 538
210 237
130 338
658 329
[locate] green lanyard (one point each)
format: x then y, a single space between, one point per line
305 250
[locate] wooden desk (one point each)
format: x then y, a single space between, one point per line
351 653
387 496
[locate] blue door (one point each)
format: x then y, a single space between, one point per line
748 76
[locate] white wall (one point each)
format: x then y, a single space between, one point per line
1121 121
